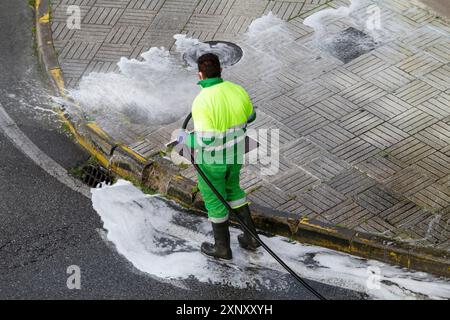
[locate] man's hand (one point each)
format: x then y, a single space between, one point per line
182 135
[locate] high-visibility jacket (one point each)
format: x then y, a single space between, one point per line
220 113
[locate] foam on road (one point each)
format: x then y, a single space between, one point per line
163 241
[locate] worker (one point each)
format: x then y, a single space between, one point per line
220 114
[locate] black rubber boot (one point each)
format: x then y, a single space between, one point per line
221 249
246 241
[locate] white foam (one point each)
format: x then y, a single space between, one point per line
316 20
266 23
164 242
269 33
368 16
157 90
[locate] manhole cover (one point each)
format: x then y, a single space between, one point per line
228 52
94 176
350 44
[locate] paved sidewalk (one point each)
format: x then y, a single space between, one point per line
365 143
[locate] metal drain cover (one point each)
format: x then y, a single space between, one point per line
228 52
350 44
94 176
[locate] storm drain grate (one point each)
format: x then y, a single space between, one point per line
228 52
95 175
350 44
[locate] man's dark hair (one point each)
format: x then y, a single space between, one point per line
209 65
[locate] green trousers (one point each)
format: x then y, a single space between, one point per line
225 177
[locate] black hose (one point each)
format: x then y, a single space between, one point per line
186 121
246 228
255 236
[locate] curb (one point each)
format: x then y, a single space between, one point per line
109 153
162 176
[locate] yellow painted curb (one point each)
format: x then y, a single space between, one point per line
99 131
305 221
84 142
45 18
56 73
133 153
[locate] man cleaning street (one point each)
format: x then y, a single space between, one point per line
220 114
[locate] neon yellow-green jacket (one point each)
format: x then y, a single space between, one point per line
220 113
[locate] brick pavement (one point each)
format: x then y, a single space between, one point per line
364 144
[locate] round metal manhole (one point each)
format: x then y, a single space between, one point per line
228 52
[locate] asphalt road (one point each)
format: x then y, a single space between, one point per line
45 226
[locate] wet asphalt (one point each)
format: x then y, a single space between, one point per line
46 227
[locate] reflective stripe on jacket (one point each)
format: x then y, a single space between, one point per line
220 113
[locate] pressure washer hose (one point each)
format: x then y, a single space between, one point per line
246 228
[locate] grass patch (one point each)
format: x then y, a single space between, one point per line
78 172
162 153
66 130
183 166
292 196
138 184
195 189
